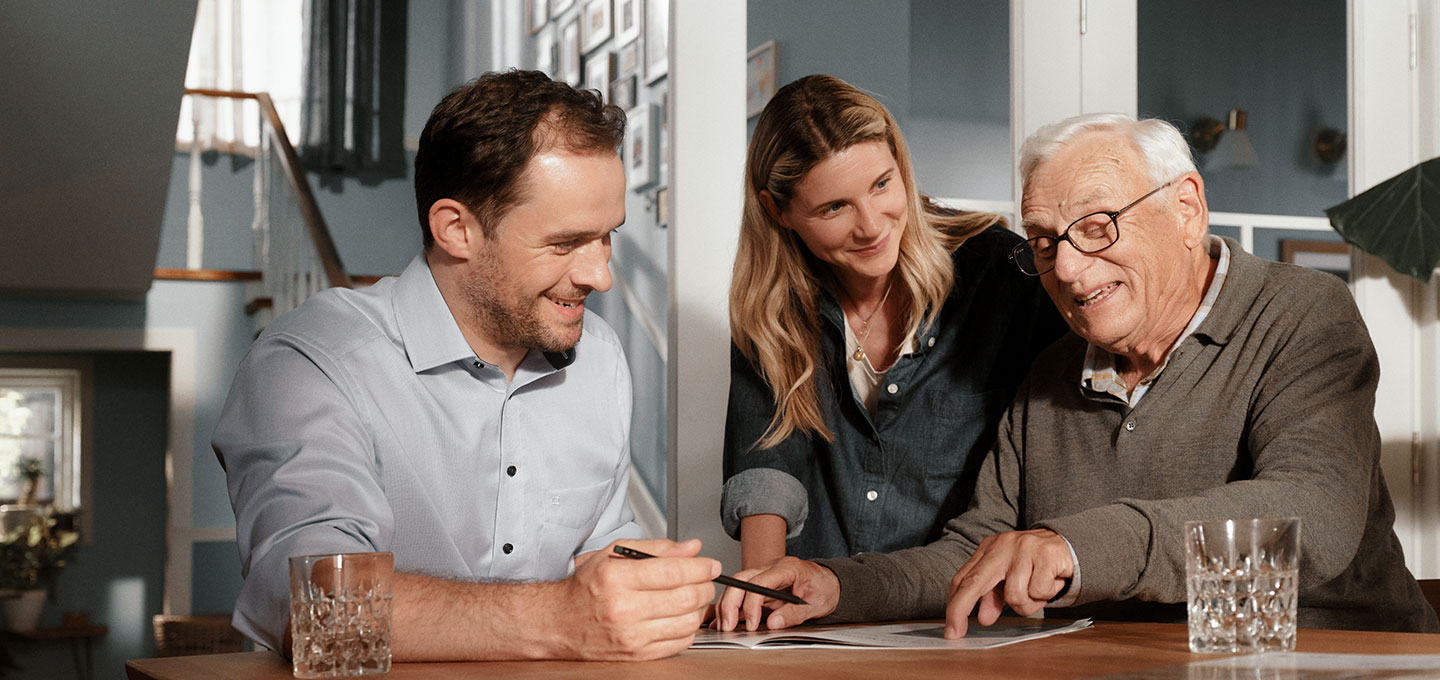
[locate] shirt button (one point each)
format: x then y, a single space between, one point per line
1130 425
507 548
932 342
871 495
510 471
893 388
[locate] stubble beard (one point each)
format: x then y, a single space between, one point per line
510 319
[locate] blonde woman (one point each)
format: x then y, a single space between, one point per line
877 337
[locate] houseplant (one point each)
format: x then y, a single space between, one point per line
31 555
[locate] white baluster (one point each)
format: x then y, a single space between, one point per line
195 223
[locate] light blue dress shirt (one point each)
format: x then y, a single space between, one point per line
363 421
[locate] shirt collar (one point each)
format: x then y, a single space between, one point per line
1100 374
428 329
431 335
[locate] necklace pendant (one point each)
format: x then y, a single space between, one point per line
859 354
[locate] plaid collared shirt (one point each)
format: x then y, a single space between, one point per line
1100 379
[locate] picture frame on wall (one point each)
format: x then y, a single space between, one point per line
627 60
539 13
657 40
622 92
558 7
1327 256
662 207
547 54
762 77
595 24
598 68
639 148
570 52
627 21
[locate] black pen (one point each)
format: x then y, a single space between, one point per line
722 579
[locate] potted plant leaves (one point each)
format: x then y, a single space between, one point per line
32 552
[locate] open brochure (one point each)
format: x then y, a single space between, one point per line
929 635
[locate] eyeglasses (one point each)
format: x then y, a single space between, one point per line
1089 234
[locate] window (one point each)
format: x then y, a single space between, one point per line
253 46
40 420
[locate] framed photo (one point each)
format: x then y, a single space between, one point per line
570 53
762 69
628 59
627 21
640 148
558 7
664 134
598 68
1326 256
657 40
595 24
662 207
539 14
622 92
547 52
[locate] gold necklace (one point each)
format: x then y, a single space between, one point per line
859 354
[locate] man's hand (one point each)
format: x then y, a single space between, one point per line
1023 569
625 609
809 581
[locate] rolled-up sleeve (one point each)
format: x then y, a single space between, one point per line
301 473
763 491
760 481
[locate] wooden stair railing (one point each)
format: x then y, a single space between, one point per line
293 264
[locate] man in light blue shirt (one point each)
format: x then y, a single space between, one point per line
457 417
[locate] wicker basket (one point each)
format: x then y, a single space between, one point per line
190 635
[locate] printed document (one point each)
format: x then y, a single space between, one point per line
929 635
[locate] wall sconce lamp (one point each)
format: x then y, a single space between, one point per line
1330 145
1226 144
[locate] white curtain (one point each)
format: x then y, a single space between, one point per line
249 46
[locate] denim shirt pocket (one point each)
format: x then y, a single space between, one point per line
962 430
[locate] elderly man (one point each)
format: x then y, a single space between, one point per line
1200 383
457 417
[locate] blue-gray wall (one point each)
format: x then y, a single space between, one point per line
1283 61
941 67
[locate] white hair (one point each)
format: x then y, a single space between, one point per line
1166 154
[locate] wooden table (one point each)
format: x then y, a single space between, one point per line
1103 649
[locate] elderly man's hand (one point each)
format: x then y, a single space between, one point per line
809 581
1023 569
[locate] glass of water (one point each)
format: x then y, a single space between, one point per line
340 614
1241 585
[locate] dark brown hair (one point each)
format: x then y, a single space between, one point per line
481 137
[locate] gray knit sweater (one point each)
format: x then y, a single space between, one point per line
1267 410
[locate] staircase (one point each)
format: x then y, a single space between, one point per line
294 254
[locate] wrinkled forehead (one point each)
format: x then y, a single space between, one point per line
1084 171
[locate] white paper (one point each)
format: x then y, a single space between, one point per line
885 636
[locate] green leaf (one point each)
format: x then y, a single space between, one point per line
1397 220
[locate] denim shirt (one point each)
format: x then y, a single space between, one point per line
892 481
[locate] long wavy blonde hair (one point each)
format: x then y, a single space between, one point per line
774 308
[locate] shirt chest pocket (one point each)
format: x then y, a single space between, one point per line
961 430
576 507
